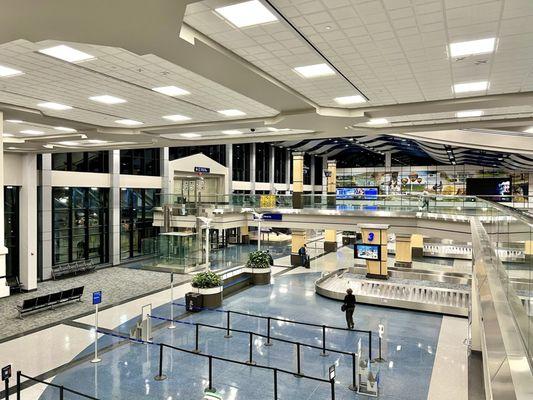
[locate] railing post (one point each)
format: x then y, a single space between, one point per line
160 376
250 356
228 326
210 388
298 362
323 354
196 340
275 384
18 385
353 386
369 345
268 342
61 392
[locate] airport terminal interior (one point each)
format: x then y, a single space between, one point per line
266 199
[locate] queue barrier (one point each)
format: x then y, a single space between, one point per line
62 389
270 319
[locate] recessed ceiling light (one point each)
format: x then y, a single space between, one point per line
66 53
15 121
32 132
314 71
64 129
232 132
350 100
245 14
7 72
171 91
190 135
472 47
176 118
377 121
68 143
469 114
5 134
529 130
471 87
54 106
232 113
129 122
96 141
107 99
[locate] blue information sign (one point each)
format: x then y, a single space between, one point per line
97 297
276 217
203 170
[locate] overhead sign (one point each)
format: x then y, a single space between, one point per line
6 372
273 217
203 170
97 297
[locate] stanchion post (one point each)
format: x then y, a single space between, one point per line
18 385
210 388
369 345
353 386
268 342
160 376
323 354
332 383
298 362
197 339
275 384
381 331
172 324
97 299
61 392
251 349
228 325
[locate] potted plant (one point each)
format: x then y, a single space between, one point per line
258 265
210 286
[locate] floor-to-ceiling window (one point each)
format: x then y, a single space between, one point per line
80 224
11 229
96 161
136 210
262 162
140 162
307 169
215 152
280 159
318 171
241 162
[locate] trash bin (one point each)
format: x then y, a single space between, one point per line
193 302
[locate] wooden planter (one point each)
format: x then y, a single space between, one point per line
212 297
260 276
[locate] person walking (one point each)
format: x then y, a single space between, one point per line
302 252
349 307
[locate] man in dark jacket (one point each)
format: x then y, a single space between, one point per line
303 256
349 307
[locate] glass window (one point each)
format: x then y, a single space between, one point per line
262 162
81 162
318 171
307 169
241 162
280 160
139 162
11 229
215 152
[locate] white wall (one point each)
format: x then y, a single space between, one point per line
13 169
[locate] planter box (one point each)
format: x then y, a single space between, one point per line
260 276
212 297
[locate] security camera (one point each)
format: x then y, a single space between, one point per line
252 130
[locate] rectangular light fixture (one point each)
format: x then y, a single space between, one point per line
248 13
7 72
314 71
67 53
471 87
232 113
529 130
96 141
107 99
54 106
5 134
190 135
14 121
65 129
232 132
347 100
176 118
128 122
472 47
171 91
377 121
31 132
469 114
272 129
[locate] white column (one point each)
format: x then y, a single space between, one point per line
28 223
324 178
252 168
166 185
272 168
229 165
4 289
46 216
288 157
114 207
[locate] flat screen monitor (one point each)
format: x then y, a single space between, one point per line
495 189
368 252
358 193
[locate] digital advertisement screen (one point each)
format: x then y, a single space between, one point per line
495 189
368 252
358 193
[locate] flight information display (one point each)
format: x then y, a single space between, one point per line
368 252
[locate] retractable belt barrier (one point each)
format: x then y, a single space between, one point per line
62 389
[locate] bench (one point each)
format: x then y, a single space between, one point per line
50 300
72 268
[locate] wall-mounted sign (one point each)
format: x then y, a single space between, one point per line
370 236
203 170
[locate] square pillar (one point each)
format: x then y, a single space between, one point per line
417 246
4 289
298 240
297 179
46 217
404 257
376 234
253 165
229 165
28 223
272 169
330 241
331 183
114 207
245 234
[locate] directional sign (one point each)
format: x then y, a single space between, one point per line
6 372
97 297
203 170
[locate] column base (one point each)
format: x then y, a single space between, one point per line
296 260
245 239
377 276
417 252
403 264
330 247
297 200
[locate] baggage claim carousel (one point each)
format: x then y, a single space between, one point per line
408 288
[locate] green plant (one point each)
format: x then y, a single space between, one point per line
206 280
258 259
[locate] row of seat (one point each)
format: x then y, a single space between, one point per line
72 268
50 300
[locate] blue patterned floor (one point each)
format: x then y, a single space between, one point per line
127 371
